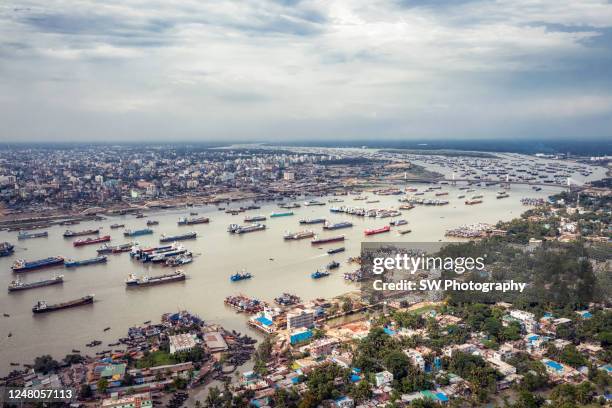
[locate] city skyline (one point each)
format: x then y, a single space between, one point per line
304 70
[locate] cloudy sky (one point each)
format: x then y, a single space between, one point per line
313 69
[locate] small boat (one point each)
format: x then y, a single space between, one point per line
319 274
406 231
106 328
115 226
152 222
333 265
397 223
335 250
240 276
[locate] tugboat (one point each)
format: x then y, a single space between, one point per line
319 274
6 249
43 307
240 276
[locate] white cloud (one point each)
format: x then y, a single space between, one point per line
260 67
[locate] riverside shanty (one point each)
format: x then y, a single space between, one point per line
181 352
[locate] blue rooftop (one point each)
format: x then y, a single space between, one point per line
264 321
554 365
441 396
389 331
355 378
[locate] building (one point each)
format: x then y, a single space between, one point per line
131 401
300 318
383 378
288 176
182 342
416 358
215 342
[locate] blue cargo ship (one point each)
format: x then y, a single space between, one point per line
28 235
21 265
72 263
136 233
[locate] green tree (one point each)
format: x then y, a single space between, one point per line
102 385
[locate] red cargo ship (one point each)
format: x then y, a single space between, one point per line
327 240
377 230
90 241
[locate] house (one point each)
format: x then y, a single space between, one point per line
383 378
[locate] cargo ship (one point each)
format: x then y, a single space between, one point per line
137 233
91 241
298 235
327 240
319 274
397 223
375 231
115 249
474 197
313 202
281 214
133 280
338 225
472 202
6 249
335 250
21 265
28 235
43 307
240 276
441 193
70 233
17 284
72 263
192 220
180 237
309 221
138 253
243 229
289 206
255 218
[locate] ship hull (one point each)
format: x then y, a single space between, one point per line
66 305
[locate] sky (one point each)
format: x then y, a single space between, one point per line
275 70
